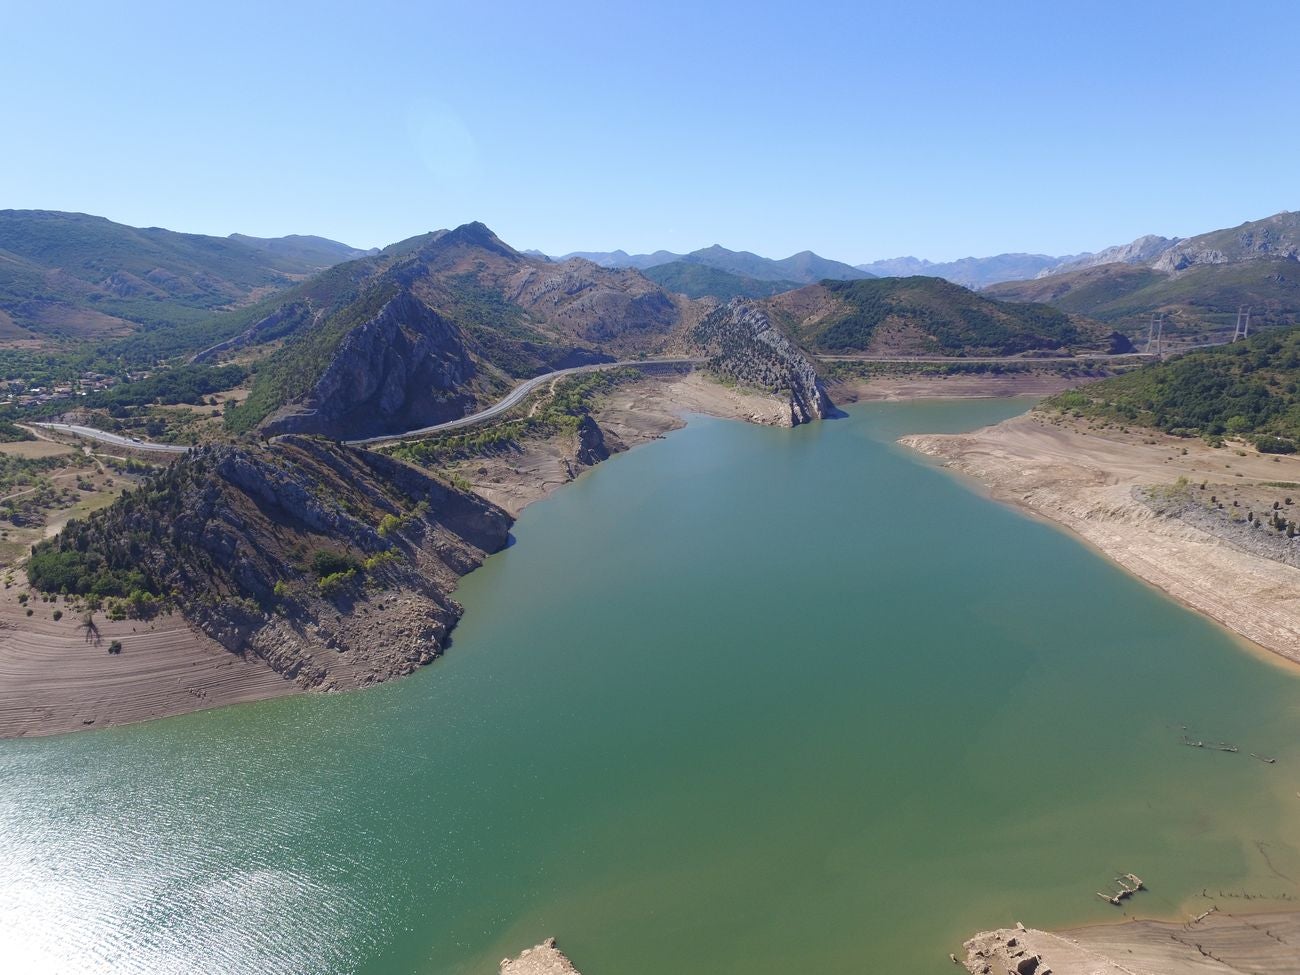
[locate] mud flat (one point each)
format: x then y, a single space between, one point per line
1084 479
1214 944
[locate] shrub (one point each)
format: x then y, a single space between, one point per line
327 562
331 584
380 558
1274 445
58 615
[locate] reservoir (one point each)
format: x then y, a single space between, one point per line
743 700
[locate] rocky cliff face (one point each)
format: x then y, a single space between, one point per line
1277 236
743 345
234 536
404 368
1144 251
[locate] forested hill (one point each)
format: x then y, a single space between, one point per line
1246 389
923 315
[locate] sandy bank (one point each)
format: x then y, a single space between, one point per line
1218 944
1083 479
57 677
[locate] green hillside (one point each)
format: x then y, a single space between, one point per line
70 276
1204 296
1249 389
927 315
702 281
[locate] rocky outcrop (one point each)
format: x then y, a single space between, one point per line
542 959
744 346
403 368
1277 236
234 537
1143 251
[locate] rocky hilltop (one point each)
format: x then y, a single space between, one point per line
1277 236
438 326
405 367
1143 251
744 346
333 565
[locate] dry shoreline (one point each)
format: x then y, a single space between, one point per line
53 681
56 679
1082 479
1216 943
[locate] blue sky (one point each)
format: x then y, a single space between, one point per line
860 131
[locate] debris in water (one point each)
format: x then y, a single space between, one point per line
1129 884
1221 746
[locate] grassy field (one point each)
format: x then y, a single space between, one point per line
35 448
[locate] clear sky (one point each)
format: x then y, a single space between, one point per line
860 130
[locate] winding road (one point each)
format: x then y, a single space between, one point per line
516 396
503 405
520 392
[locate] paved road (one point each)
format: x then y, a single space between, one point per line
115 439
1026 359
520 392
506 403
516 396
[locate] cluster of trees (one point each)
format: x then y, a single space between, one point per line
1247 389
185 384
88 573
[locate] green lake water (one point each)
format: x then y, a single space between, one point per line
742 700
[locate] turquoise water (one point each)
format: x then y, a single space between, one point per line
741 700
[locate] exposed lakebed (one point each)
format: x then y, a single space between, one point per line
742 700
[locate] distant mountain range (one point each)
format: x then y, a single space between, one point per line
1198 282
802 268
971 272
73 281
